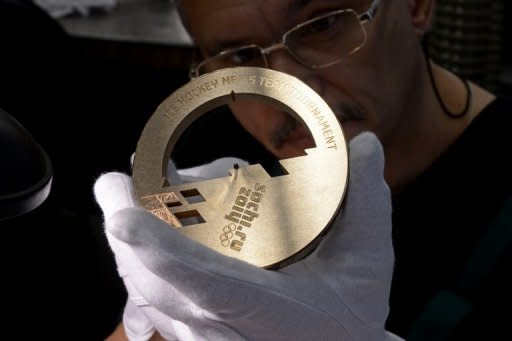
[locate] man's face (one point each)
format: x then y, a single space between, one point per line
367 91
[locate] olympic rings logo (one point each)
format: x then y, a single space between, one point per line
227 233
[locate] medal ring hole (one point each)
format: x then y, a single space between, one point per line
188 218
192 196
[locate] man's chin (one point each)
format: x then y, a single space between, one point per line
352 128
294 147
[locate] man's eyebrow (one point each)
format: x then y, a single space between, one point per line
299 4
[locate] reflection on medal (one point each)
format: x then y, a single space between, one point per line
263 220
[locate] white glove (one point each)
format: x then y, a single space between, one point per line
186 291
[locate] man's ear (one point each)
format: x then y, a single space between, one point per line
421 14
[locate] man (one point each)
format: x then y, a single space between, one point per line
443 141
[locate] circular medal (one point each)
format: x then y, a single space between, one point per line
249 215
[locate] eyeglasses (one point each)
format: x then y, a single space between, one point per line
317 43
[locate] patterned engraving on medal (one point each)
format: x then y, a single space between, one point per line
166 216
165 206
243 214
227 234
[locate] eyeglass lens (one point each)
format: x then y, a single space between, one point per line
319 42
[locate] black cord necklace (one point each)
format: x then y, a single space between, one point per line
469 96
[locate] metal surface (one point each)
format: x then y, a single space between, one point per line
248 214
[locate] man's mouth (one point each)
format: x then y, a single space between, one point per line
300 136
293 132
290 132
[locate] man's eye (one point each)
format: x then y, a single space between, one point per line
322 25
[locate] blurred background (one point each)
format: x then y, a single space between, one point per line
469 37
84 77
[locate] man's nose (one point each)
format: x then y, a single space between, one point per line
282 60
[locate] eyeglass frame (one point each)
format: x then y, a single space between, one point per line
363 18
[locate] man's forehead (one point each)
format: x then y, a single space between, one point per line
299 4
195 6
216 26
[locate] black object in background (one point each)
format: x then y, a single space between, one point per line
26 172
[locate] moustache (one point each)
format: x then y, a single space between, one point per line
344 112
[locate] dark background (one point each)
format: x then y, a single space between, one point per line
86 100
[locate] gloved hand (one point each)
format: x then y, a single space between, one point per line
186 291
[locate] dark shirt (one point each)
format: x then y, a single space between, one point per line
441 217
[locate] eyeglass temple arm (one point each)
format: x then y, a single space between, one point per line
371 12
